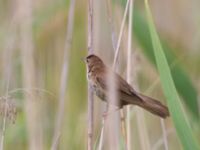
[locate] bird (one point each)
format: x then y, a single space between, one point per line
97 75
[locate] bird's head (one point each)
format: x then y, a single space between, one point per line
93 62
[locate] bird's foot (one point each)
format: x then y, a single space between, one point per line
108 112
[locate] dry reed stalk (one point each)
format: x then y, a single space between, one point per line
199 102
7 108
141 124
32 108
112 119
90 93
120 35
164 134
101 135
110 20
64 76
114 63
123 127
142 129
143 134
145 144
129 147
4 124
114 44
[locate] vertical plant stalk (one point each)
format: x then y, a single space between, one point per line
114 43
116 48
199 103
29 74
141 124
142 129
115 64
101 135
112 119
6 107
123 127
164 134
120 35
129 73
90 92
7 61
64 76
115 60
110 20
143 134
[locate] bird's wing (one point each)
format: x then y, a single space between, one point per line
122 86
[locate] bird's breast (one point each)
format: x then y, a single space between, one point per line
95 86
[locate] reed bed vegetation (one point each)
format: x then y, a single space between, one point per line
46 101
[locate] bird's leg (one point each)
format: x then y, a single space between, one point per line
108 111
105 111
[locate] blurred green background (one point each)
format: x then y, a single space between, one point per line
32 44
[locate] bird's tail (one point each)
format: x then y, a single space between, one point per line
153 106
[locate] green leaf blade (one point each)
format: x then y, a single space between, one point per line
182 81
181 125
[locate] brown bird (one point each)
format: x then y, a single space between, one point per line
97 74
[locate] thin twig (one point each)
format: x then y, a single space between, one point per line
90 92
64 75
120 35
